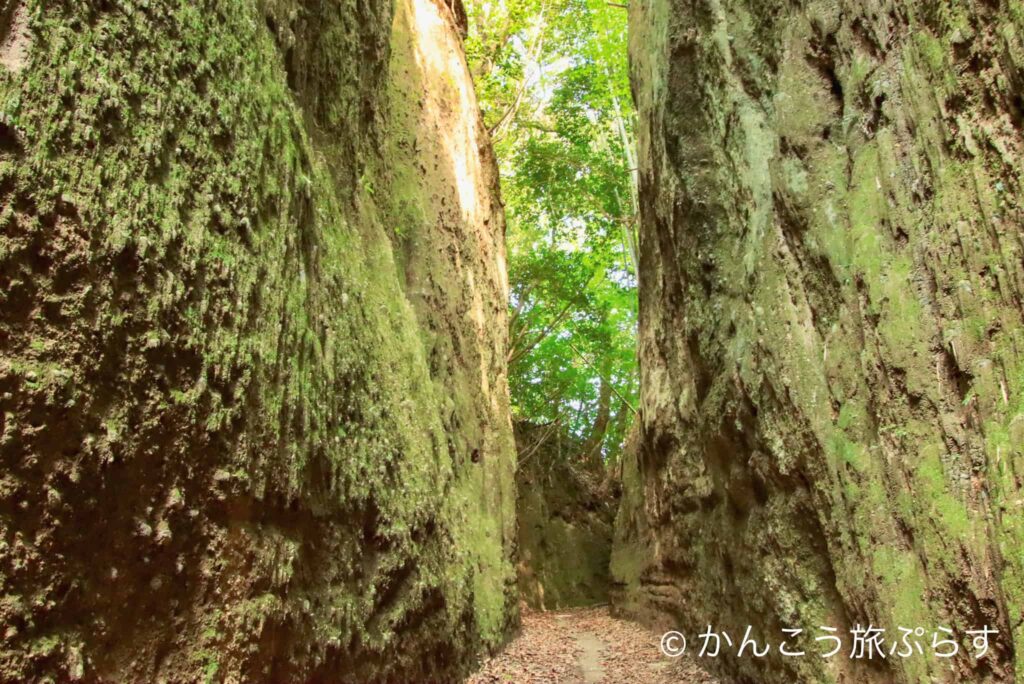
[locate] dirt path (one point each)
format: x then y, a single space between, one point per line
585 647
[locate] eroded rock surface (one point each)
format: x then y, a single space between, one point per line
565 511
253 412
831 336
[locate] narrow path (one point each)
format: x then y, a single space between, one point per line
589 660
585 646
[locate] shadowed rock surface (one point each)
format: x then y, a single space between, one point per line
254 419
565 512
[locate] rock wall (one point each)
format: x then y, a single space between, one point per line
565 511
253 411
831 335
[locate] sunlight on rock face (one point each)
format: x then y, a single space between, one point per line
14 38
436 54
448 118
448 225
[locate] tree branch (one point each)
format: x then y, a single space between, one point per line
603 377
515 354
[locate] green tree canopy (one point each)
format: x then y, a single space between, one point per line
552 77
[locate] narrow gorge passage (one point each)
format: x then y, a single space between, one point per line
380 341
556 101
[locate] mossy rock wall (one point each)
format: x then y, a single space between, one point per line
231 448
831 337
565 512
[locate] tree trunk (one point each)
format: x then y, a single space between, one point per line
591 450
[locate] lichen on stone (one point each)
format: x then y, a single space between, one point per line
830 326
225 445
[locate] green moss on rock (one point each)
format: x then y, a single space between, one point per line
830 325
225 445
565 512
